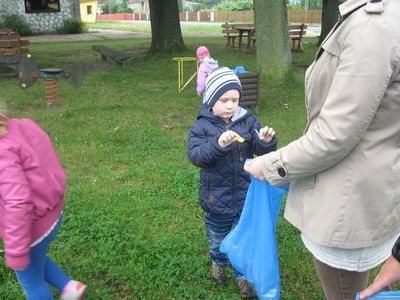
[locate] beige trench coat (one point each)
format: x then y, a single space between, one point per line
345 169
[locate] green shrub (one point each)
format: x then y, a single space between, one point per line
72 26
16 23
238 5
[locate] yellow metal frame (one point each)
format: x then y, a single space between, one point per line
181 61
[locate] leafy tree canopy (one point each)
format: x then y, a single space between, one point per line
209 3
301 4
238 5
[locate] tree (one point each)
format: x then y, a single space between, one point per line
209 3
311 4
238 5
273 52
166 34
180 5
124 8
330 14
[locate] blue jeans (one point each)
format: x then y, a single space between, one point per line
42 270
217 228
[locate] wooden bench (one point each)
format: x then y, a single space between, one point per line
296 33
253 42
107 53
231 33
11 49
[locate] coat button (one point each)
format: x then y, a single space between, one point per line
281 172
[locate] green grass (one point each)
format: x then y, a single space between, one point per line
133 228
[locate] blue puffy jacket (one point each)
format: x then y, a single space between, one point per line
223 182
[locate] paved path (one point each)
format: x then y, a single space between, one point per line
99 34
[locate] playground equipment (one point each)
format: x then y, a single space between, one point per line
26 69
28 72
180 62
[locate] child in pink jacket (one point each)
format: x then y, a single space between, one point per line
207 65
32 186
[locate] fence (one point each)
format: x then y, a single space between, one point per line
114 17
304 16
294 16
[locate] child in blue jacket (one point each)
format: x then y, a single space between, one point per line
223 137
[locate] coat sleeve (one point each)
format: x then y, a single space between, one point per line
361 78
203 150
18 210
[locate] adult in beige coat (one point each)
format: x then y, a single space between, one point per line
345 169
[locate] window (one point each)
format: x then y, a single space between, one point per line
89 9
42 6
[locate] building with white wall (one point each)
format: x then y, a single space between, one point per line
43 16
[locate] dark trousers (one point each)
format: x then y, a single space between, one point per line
340 284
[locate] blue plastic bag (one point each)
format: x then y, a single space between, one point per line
239 70
385 295
251 245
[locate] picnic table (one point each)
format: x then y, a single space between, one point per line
246 31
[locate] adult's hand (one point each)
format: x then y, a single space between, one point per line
389 273
254 168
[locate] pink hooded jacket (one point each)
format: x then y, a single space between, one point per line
32 185
205 68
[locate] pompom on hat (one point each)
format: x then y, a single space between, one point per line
202 52
218 83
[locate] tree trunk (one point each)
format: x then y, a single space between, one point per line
166 35
330 15
273 52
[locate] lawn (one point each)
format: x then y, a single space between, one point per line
132 226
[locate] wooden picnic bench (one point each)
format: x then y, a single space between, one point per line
11 49
296 33
107 53
231 32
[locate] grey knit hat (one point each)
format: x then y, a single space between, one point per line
218 82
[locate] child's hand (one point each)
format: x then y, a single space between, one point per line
198 93
227 138
266 134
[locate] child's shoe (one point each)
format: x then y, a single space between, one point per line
74 290
246 289
218 273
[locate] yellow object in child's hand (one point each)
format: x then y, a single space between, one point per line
239 138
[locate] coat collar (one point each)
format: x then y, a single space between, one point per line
350 5
240 113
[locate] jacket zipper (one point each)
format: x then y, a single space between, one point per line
234 191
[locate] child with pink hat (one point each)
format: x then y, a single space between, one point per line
207 65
